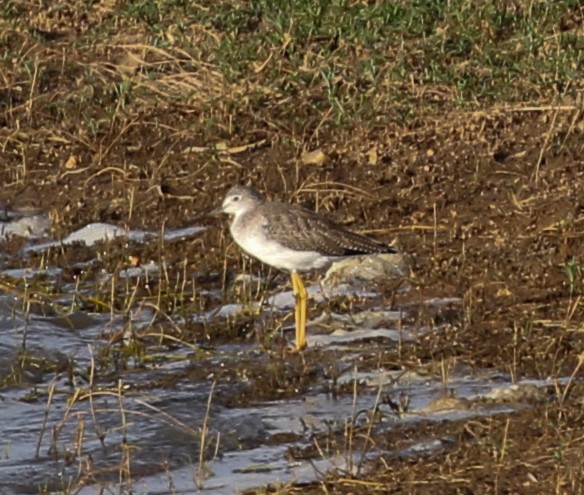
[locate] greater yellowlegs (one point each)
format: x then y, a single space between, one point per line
291 238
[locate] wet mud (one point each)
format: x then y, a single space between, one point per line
141 351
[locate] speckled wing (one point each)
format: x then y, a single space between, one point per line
303 230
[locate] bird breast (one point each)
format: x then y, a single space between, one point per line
252 238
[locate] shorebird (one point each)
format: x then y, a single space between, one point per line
291 238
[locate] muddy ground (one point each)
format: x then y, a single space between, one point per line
486 197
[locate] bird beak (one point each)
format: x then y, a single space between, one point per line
217 212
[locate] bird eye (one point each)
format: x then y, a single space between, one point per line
235 198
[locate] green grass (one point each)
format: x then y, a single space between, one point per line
360 62
478 49
335 66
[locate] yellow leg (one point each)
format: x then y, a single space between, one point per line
299 310
296 305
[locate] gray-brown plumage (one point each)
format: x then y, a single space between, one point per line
303 230
290 237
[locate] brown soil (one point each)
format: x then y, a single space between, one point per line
487 202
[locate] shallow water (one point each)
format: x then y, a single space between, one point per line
68 419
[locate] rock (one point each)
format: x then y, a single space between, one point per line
316 157
367 268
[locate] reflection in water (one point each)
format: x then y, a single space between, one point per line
169 420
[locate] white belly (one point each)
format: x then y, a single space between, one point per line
271 253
